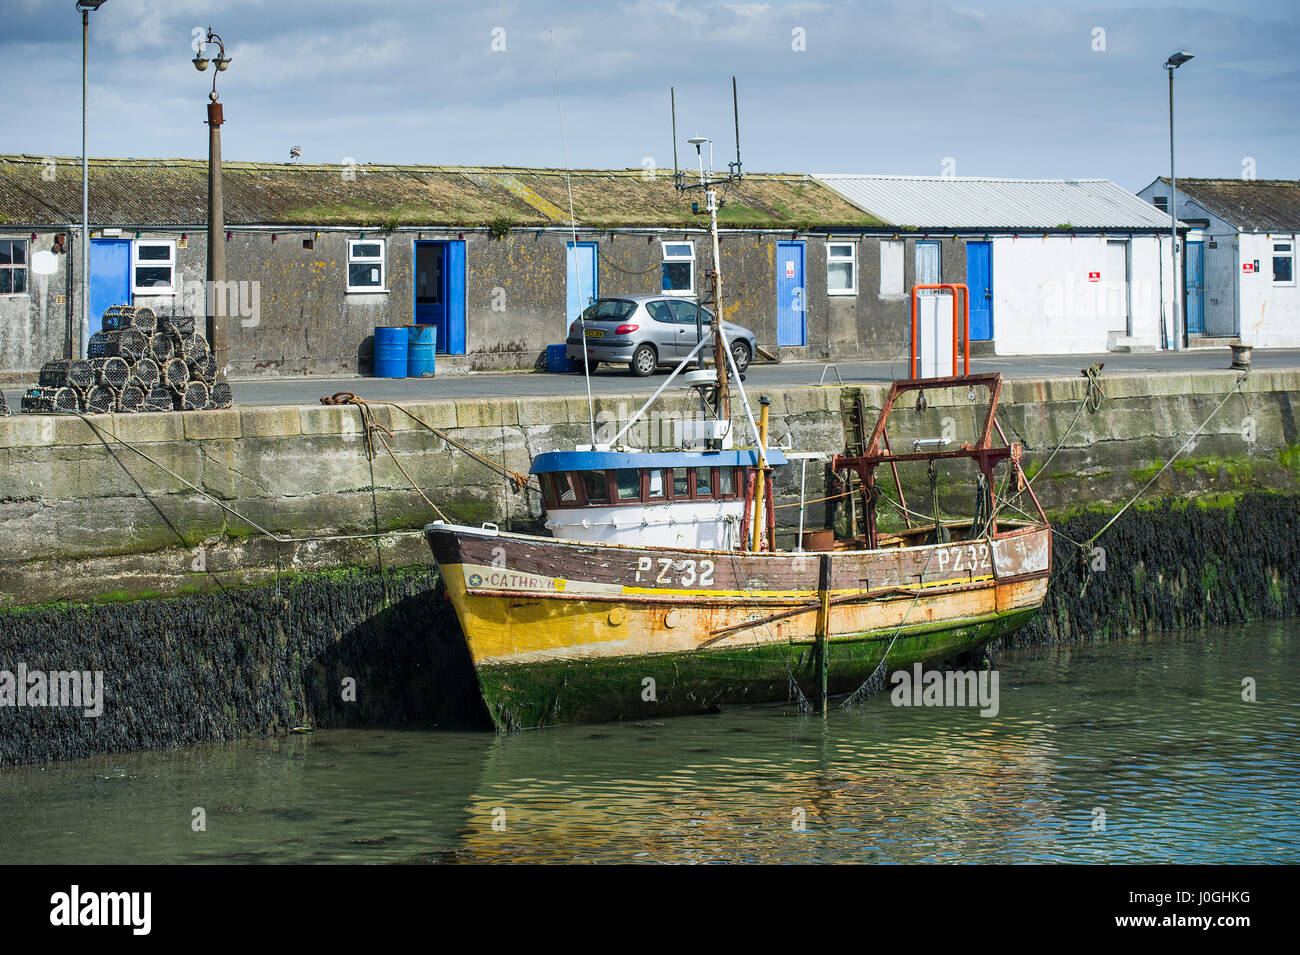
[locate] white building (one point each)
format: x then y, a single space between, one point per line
1054 266
1239 257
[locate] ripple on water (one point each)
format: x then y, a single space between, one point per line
1131 751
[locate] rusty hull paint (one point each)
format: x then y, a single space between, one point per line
707 616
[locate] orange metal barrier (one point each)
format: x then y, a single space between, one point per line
960 343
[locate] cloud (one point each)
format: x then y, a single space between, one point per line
1004 88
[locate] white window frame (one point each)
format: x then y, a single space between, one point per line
25 268
1289 254
666 258
851 259
381 260
137 263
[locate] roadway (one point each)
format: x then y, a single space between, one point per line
617 381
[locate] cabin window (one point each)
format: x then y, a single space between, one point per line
566 488
841 268
13 266
153 267
366 265
548 490
704 482
682 484
1283 263
629 484
726 482
595 486
657 483
678 268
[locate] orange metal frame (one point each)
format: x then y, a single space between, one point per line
960 343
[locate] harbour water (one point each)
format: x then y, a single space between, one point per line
1135 750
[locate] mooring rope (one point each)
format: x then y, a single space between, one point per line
1191 438
348 398
278 538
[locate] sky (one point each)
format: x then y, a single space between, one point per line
925 87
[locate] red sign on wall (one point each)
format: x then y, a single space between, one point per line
1248 266
1094 276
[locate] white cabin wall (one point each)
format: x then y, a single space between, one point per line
1270 314
1044 302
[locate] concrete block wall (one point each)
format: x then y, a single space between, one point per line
196 501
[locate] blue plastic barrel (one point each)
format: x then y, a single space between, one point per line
555 359
391 345
420 353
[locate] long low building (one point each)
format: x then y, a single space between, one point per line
319 256
1054 266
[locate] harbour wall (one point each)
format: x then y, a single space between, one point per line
136 506
129 547
370 647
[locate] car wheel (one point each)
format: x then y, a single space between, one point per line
644 361
740 354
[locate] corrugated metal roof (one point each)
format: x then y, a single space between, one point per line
1252 205
953 202
35 190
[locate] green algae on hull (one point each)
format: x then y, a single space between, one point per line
597 690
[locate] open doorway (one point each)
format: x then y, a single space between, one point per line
440 292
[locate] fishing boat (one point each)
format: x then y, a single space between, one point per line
656 597
661 589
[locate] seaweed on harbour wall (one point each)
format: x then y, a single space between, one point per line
354 648
358 648
1170 566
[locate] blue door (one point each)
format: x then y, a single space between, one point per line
1195 295
440 292
791 308
979 279
110 278
581 280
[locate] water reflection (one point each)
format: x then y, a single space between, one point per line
1152 732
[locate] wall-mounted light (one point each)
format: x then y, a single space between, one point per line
460 237
273 236
228 235
137 235
33 236
650 240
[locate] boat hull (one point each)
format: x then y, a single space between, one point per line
571 632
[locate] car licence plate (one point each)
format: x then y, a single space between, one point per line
595 333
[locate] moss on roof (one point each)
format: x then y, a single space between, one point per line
35 190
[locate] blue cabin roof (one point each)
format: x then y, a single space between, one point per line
604 460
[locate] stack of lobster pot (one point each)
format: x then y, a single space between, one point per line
140 361
4 408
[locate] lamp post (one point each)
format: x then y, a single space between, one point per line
1174 62
215 299
85 7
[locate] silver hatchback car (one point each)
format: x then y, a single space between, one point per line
646 331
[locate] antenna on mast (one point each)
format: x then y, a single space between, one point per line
672 99
735 111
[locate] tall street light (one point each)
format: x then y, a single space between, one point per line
215 299
1174 62
85 7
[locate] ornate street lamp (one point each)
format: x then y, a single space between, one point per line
215 299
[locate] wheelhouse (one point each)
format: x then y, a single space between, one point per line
664 498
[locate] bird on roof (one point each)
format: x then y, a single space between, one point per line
295 152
